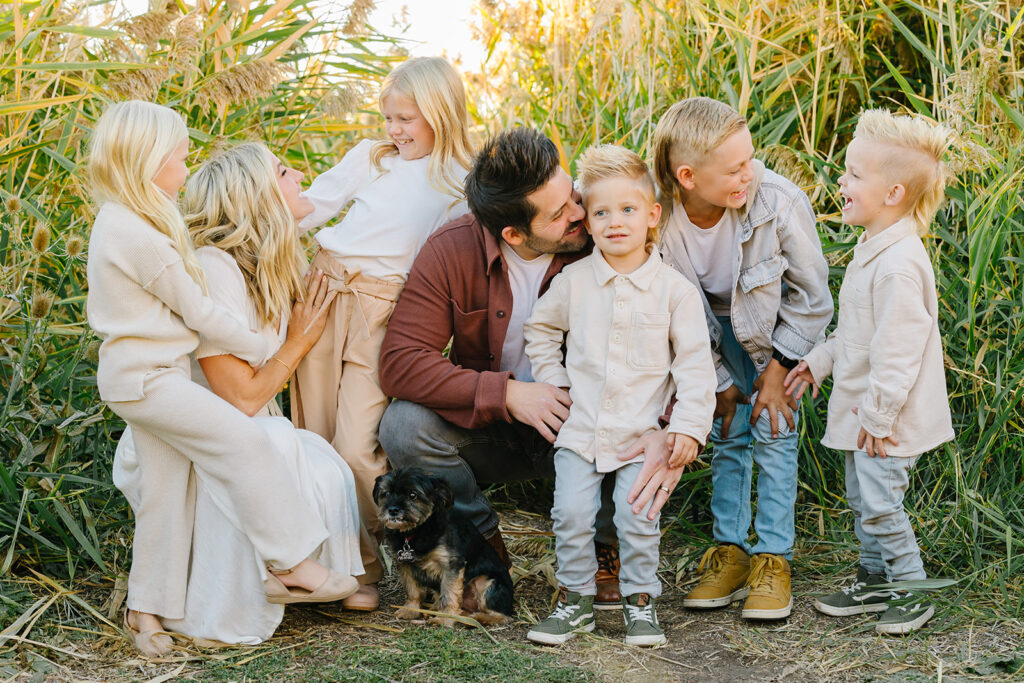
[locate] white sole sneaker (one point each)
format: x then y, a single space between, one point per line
852 611
907 626
557 638
709 603
646 641
607 606
780 613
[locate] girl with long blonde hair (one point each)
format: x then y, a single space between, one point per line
398 191
147 304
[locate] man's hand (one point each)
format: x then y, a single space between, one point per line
872 445
684 450
798 379
656 479
725 407
771 395
542 406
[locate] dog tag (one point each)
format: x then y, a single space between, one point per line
406 554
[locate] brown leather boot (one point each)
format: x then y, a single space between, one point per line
607 577
496 542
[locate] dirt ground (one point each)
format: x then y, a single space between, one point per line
702 646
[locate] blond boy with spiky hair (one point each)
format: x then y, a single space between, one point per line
634 338
747 238
888 402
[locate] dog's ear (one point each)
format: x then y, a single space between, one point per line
378 488
443 497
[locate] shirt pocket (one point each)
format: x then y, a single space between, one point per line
469 339
648 341
761 285
856 314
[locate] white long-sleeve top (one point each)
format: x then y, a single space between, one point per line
145 307
885 354
391 215
633 340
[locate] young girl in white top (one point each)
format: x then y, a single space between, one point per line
888 402
398 191
147 304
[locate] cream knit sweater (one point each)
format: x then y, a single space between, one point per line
146 309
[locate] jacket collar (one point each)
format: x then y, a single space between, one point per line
641 278
867 249
757 211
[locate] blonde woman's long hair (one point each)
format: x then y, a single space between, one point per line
434 85
233 202
130 144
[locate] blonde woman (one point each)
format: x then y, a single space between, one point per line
147 303
398 191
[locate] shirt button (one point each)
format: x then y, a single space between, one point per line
602 433
618 337
500 314
620 304
490 356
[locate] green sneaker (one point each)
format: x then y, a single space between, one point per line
574 612
857 598
906 617
641 621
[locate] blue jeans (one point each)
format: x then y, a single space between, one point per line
578 487
874 490
733 460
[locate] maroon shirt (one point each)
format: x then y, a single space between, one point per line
458 291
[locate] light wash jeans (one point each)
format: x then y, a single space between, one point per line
874 490
732 464
577 500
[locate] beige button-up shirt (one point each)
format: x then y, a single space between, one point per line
632 341
886 353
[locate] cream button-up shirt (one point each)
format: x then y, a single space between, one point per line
885 354
632 342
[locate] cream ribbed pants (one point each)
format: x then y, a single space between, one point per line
336 391
178 425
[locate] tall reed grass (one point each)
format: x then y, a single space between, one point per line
237 69
591 71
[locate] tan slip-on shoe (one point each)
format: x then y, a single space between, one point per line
335 587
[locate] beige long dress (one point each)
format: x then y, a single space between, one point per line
225 599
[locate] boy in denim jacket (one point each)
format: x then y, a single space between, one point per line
746 237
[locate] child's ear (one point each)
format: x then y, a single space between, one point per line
897 193
513 236
684 176
655 216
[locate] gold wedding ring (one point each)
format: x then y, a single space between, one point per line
665 489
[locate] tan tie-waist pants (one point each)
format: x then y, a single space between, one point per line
178 425
336 391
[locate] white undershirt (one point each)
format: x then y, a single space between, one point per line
524 278
712 253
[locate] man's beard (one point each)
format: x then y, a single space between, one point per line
564 245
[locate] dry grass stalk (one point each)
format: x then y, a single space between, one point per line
242 83
149 28
138 84
358 13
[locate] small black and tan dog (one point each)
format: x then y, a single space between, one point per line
442 558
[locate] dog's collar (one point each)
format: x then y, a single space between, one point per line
406 554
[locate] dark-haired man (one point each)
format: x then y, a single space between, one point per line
476 416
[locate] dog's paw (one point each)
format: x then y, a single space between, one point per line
443 621
408 613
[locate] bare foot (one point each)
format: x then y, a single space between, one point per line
306 574
147 633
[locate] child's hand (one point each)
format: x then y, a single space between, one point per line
684 450
725 407
798 379
872 445
771 396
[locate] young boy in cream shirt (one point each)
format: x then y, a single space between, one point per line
888 402
634 338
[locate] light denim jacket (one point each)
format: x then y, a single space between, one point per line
780 293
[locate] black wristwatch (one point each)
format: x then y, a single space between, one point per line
787 363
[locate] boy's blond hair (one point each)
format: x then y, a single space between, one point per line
601 162
922 171
686 134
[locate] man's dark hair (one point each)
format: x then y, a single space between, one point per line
511 165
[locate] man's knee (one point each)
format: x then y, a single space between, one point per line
406 430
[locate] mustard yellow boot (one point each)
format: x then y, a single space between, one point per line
726 568
770 595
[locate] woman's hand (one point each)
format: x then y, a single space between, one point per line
309 316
